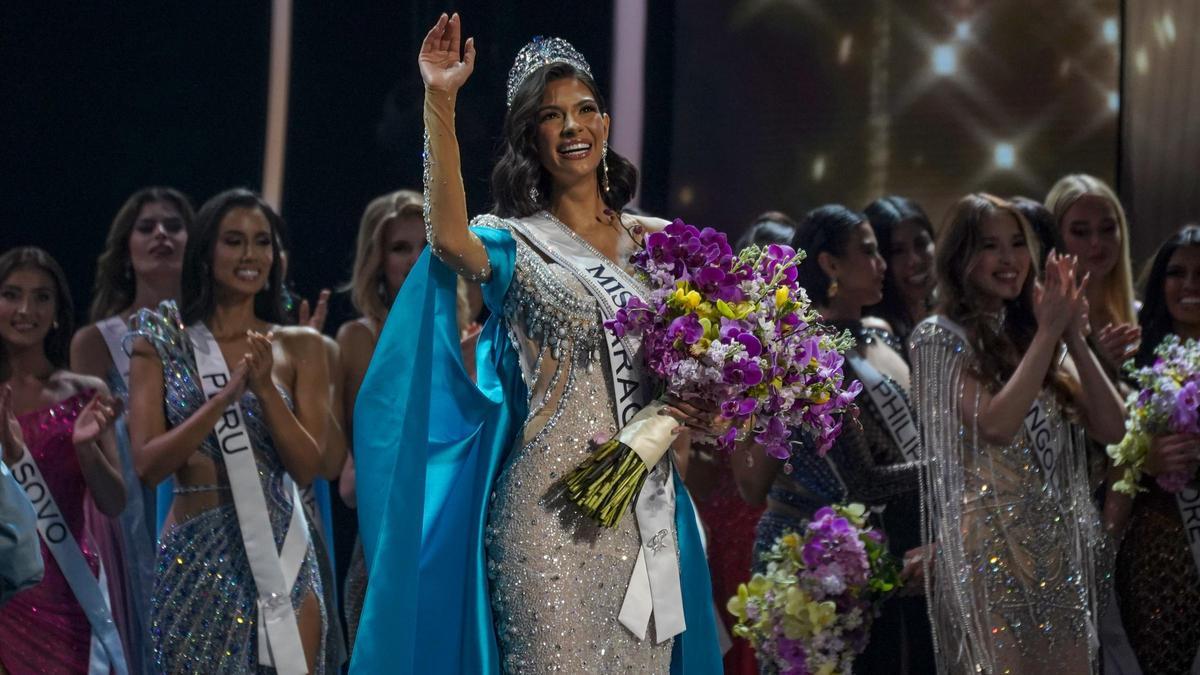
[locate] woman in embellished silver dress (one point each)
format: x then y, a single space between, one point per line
206 609
1021 562
487 569
874 460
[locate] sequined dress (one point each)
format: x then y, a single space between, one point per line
557 580
1021 564
203 614
43 629
863 466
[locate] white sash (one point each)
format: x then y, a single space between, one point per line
654 587
1188 502
1047 445
275 572
113 330
897 416
107 654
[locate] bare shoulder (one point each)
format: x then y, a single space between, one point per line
356 334
75 383
877 323
89 352
300 339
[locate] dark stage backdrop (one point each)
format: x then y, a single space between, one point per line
789 104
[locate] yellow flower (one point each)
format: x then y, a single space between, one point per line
821 398
781 296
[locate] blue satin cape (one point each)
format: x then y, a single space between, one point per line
429 443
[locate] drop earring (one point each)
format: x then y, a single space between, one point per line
833 289
534 195
604 167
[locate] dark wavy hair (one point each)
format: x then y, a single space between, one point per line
1154 317
772 227
115 285
57 343
997 351
519 167
886 214
825 229
198 290
1041 221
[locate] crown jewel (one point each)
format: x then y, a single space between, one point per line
539 52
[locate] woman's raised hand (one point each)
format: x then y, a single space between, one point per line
1055 304
441 68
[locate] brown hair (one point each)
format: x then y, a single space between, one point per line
367 285
115 286
998 349
57 343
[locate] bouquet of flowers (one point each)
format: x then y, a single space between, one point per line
812 610
734 334
1167 402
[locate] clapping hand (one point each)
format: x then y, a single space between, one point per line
1059 303
441 68
11 436
1119 342
95 419
259 361
1176 453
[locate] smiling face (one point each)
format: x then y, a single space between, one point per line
1181 287
859 270
1000 266
571 131
243 252
1091 231
27 307
910 260
157 240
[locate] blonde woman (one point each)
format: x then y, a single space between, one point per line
390 237
1093 228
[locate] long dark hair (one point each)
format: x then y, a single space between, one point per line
772 227
198 290
825 229
57 343
1155 318
886 214
115 285
998 349
519 168
1042 222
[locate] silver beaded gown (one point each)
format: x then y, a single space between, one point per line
557 580
1020 564
203 616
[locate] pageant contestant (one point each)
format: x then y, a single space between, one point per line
475 565
1158 587
236 409
391 235
906 244
1003 379
139 268
1093 228
873 462
55 429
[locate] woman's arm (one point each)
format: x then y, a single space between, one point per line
754 473
1001 416
335 440
158 451
299 436
89 353
444 74
96 448
1103 411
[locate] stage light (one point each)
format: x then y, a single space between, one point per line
1111 31
945 60
1141 61
686 195
818 168
1114 101
962 30
1005 156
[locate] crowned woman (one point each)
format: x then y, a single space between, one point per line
475 564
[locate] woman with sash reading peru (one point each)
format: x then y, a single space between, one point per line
476 563
55 430
139 268
874 460
1004 384
236 409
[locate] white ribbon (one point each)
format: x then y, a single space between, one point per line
107 654
113 330
275 572
897 416
654 587
1188 502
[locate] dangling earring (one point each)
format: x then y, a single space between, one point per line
604 167
534 195
833 289
54 326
